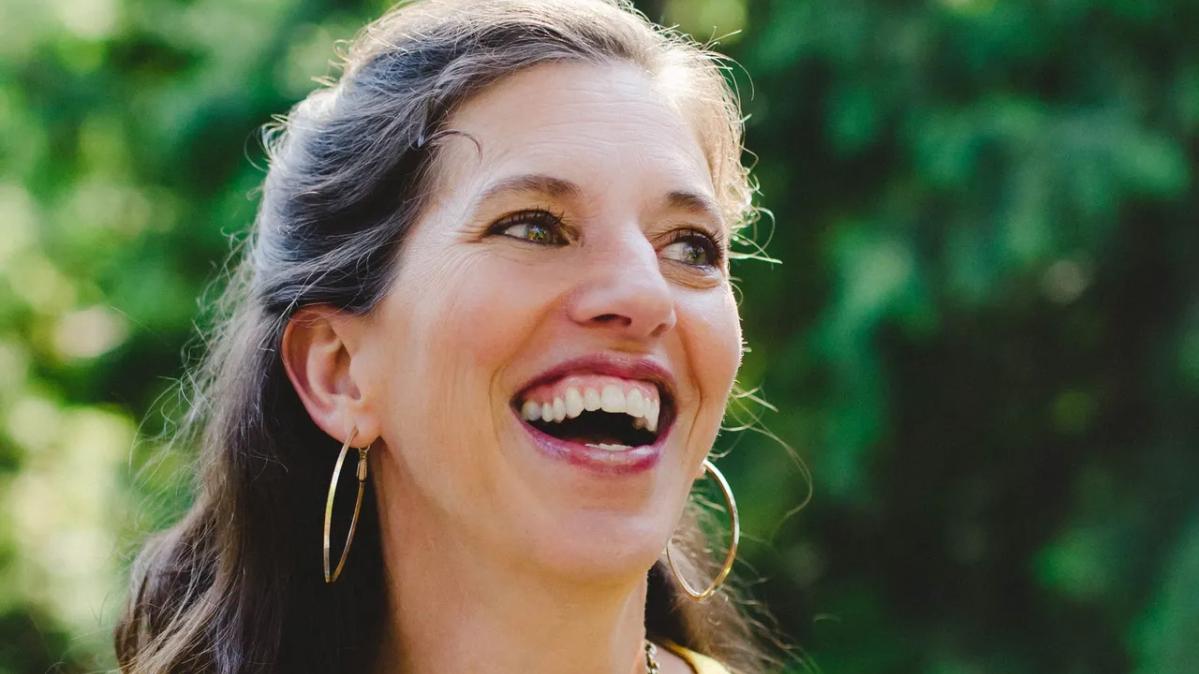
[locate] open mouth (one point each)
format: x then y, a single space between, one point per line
598 411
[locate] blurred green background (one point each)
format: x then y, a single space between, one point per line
983 339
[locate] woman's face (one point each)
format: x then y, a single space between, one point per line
552 362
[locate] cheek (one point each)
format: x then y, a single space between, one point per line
487 316
465 319
448 327
717 342
713 342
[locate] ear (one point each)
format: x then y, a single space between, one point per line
318 348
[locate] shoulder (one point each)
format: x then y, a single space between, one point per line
699 663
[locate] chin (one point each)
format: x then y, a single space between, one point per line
603 547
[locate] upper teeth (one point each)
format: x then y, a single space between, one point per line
610 398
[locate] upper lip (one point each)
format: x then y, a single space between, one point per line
613 365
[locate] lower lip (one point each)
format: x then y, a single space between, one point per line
599 461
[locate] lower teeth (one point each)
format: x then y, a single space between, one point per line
608 447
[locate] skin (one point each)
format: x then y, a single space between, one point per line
499 558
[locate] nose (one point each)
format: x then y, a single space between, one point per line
625 293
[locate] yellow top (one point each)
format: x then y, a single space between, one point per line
700 663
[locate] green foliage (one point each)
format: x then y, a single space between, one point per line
983 339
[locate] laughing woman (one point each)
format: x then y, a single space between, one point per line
484 331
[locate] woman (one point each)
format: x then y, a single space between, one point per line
493 260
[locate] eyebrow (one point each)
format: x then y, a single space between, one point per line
547 185
695 202
550 186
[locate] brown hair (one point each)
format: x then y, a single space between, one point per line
236 586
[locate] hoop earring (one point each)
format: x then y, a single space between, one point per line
727 567
345 552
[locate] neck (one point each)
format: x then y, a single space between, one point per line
453 608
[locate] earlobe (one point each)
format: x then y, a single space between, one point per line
317 358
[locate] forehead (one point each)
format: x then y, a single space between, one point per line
600 125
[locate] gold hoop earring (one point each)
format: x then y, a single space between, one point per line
727 567
345 552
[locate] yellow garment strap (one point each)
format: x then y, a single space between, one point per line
700 663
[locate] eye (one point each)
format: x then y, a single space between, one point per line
692 248
534 225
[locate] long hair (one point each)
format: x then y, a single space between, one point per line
235 586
